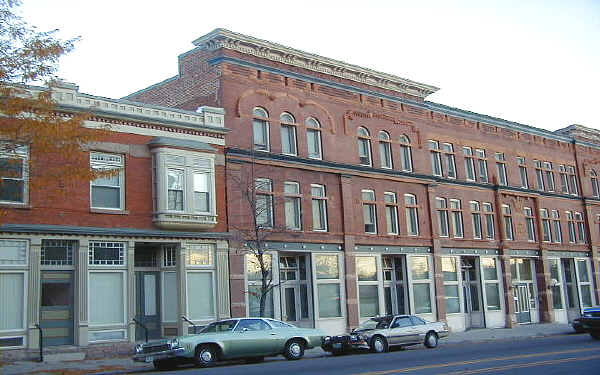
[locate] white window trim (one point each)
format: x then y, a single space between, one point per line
163 274
103 266
340 281
22 265
213 252
21 153
411 282
109 165
125 302
458 283
377 282
325 213
25 300
214 295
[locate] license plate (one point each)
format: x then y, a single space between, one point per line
337 345
149 359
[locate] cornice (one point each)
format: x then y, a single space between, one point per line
225 39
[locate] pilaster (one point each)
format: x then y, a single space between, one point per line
543 283
132 292
182 326
350 281
81 276
223 301
33 293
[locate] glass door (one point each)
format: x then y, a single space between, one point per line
56 308
148 304
472 293
522 304
296 304
394 270
571 290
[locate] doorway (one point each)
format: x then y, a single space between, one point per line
572 293
522 303
471 283
148 304
56 307
394 282
296 296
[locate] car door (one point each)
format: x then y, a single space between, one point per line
252 337
401 331
420 328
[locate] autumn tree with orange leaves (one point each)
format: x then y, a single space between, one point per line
30 122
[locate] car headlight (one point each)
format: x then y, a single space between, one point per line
354 337
327 338
174 343
362 338
587 315
139 348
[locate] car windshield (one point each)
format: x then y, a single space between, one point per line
376 323
222 326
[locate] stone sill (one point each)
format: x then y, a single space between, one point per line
109 212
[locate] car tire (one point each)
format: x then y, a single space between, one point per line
431 340
379 344
255 360
579 330
595 335
206 356
337 352
294 350
165 364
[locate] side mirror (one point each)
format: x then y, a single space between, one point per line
384 326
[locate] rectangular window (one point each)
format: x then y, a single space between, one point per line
391 212
572 180
571 224
57 252
175 186
557 226
107 192
442 209
549 176
254 277
364 151
546 227
448 150
412 215
200 295
366 270
288 140
523 172
501 168
482 163
469 163
406 154
314 144
12 295
264 202
491 285
539 175
476 216
202 192
261 135
564 179
107 304
530 223
328 285
580 227
106 253
319 207
457 219
201 255
436 158
488 209
293 207
369 211
385 153
421 284
508 224
169 255
14 166
450 272
556 283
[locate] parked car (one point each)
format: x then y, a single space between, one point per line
577 325
590 320
380 333
252 339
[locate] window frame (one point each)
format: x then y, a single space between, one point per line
21 153
406 153
117 162
443 217
263 123
391 212
475 207
364 141
268 197
522 163
369 208
321 200
411 208
509 233
501 168
316 130
385 150
296 199
292 139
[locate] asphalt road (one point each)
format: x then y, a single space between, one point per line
566 354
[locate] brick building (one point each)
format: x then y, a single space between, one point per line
150 243
395 204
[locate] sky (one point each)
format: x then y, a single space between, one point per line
536 62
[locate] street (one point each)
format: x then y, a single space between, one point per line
565 354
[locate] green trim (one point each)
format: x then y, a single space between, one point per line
526 253
569 254
476 252
392 249
302 246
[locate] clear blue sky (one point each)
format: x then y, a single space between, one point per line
532 61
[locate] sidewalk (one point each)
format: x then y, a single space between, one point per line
127 366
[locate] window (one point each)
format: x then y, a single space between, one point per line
107 192
595 186
412 216
557 227
549 176
488 210
476 216
264 202
572 180
385 150
544 175
391 212
539 175
571 225
585 282
406 154
364 146
482 164
175 178
106 253
501 168
107 307
556 283
442 209
319 207
369 211
580 227
313 138
254 276
523 172
448 151
328 286
202 189
293 207
201 255
508 224
436 158
288 134
457 218
530 223
57 252
421 284
450 272
169 255
14 165
13 294
546 227
564 179
260 129
200 295
469 163
368 294
491 284
13 253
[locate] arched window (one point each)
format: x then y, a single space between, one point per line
260 129
364 146
288 134
385 150
595 187
313 138
405 154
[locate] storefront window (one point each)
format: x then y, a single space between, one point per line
420 268
369 300
327 270
449 270
12 295
329 300
491 287
422 298
254 302
493 296
327 266
366 268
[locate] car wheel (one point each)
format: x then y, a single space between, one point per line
379 344
431 340
337 352
206 356
294 349
579 330
255 360
595 335
165 364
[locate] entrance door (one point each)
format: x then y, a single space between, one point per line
56 308
148 304
571 292
522 303
296 300
471 293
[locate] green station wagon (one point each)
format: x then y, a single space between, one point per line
252 339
